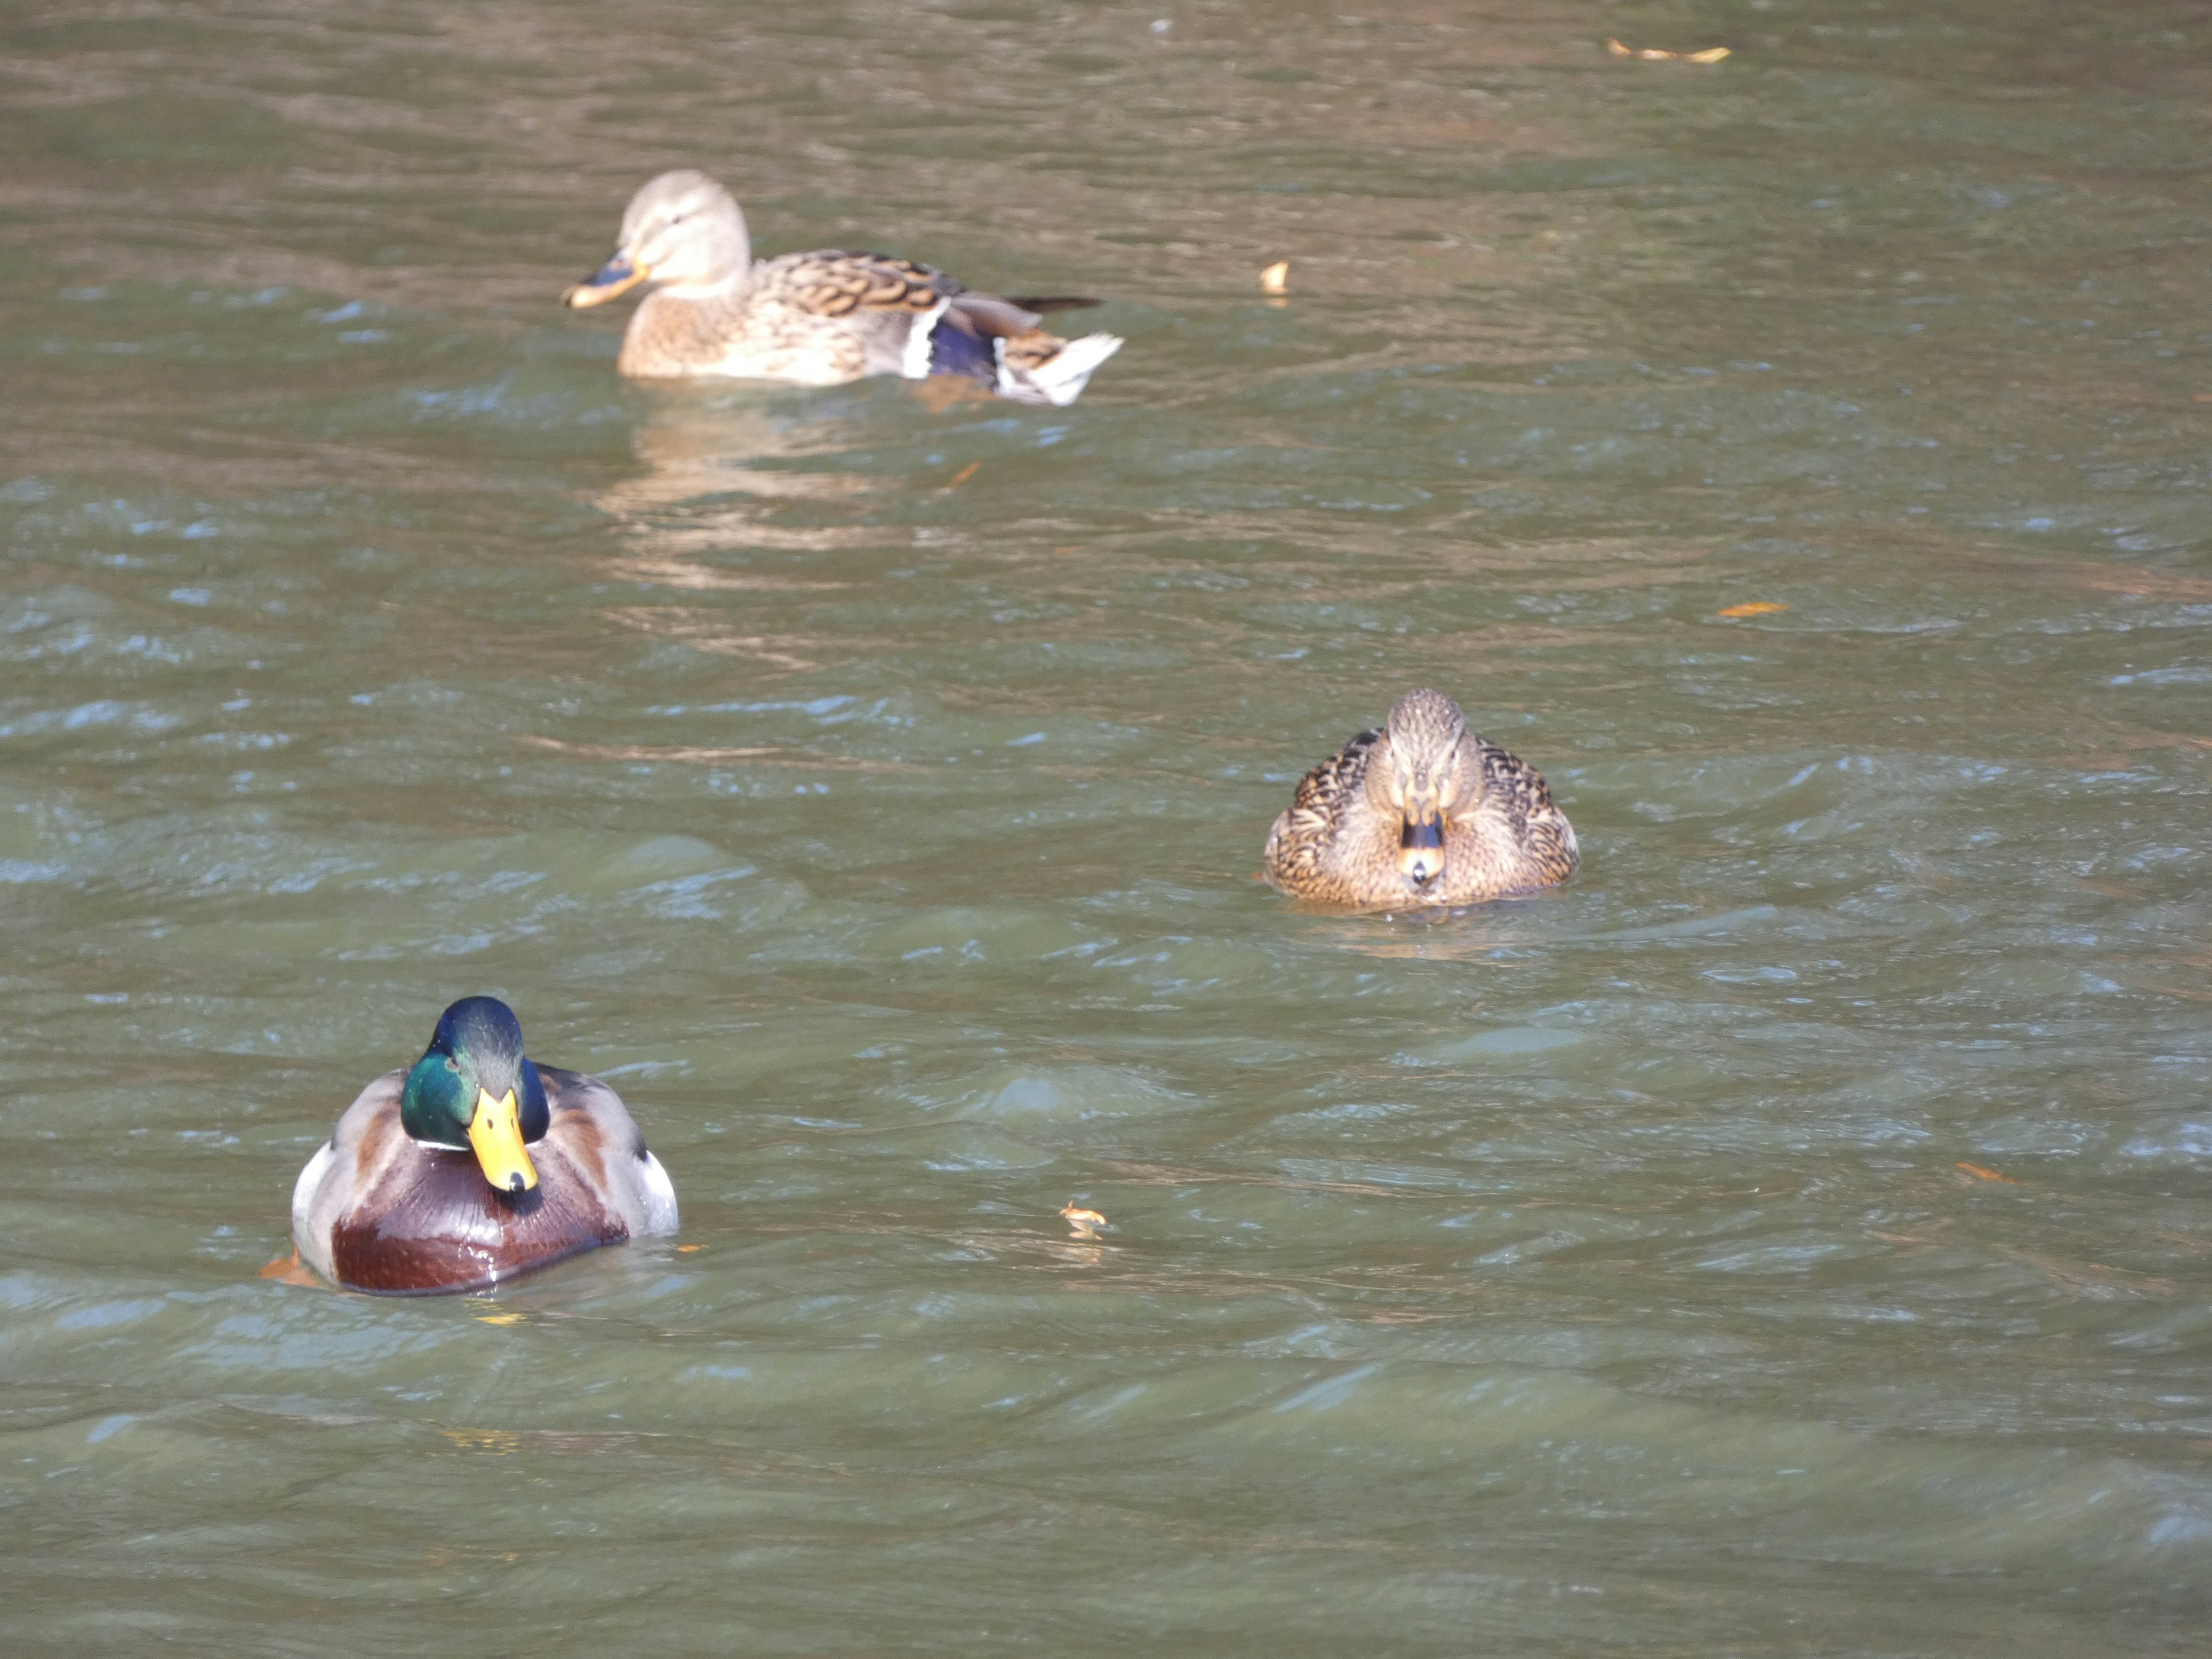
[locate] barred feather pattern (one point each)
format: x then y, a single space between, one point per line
819 319
1334 847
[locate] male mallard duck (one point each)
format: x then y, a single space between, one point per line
1422 813
474 1166
816 319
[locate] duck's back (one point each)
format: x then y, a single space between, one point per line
1515 839
1308 844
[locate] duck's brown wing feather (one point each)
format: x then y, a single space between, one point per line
1301 835
839 282
1536 827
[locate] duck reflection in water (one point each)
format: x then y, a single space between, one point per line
708 495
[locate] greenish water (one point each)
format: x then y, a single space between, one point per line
1597 1274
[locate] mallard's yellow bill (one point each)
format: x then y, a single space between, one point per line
496 1132
617 275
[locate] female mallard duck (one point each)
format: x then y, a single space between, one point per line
473 1167
816 319
1421 814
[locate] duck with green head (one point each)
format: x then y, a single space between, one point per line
473 1165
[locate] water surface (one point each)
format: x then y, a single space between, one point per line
1794 1236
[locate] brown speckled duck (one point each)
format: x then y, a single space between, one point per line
473 1166
816 319
1422 814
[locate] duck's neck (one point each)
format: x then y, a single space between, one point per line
705 292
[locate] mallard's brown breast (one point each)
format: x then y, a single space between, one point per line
432 1225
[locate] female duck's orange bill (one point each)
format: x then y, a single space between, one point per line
618 276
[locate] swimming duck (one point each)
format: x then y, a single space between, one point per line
1423 814
816 319
473 1166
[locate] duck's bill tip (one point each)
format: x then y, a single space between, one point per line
618 276
495 1137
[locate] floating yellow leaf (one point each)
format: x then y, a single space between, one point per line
1084 1224
686 1249
499 1319
963 475
1276 278
1981 1173
1653 54
1752 608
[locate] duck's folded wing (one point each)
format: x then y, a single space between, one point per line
889 306
592 1125
1517 791
1324 792
1302 835
838 283
916 321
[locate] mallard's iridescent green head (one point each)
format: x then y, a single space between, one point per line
474 1093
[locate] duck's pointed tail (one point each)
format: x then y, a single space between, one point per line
998 345
1037 368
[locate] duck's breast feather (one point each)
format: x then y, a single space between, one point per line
424 1221
436 1225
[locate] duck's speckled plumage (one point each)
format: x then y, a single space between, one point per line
1345 840
377 1210
818 318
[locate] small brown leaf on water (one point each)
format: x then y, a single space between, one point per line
686 1249
1752 608
1982 1172
1276 278
963 475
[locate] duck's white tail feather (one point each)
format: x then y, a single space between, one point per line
659 1196
1060 379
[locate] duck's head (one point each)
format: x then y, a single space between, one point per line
1423 781
472 1091
683 232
